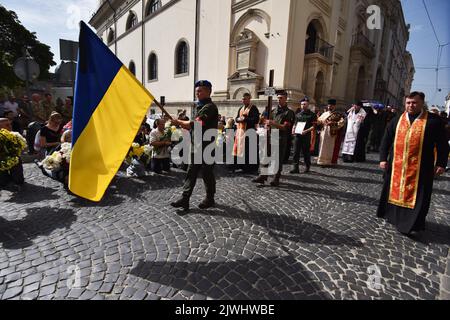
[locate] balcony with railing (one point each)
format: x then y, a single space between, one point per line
320 47
362 43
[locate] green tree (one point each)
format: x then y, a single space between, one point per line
14 37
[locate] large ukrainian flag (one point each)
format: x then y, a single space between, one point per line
109 107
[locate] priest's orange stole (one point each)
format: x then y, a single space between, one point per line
408 147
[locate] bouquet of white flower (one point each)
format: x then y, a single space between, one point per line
56 165
137 159
148 150
177 134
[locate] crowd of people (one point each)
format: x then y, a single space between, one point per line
44 124
413 146
326 134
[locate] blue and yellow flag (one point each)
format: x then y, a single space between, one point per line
109 107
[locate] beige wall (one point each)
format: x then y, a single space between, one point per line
280 26
162 38
214 43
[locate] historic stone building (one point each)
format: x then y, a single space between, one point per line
319 48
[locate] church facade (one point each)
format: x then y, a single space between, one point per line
343 49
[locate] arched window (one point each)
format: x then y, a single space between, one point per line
152 67
311 38
152 6
131 21
132 67
182 58
111 35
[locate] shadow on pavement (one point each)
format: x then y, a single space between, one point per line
274 278
123 188
445 177
434 233
332 194
303 178
30 193
110 199
352 168
283 226
442 192
353 179
370 161
18 234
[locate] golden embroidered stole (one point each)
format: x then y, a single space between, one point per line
239 142
408 147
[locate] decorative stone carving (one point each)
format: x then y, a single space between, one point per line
249 81
246 48
243 60
245 77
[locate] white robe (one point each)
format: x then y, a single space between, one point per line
354 121
328 142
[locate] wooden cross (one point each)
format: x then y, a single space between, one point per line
271 92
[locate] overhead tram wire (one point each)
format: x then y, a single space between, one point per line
431 22
440 46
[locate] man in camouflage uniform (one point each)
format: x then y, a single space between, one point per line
38 120
47 105
207 114
282 119
37 113
66 110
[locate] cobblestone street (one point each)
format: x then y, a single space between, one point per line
314 237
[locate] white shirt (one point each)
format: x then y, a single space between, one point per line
158 152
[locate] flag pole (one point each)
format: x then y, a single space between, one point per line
162 109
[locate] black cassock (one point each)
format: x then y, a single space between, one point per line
407 220
251 121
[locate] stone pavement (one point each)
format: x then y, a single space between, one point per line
314 237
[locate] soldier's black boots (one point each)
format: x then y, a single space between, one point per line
207 203
183 203
260 179
295 169
307 169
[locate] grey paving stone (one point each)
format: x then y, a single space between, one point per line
106 288
300 241
11 293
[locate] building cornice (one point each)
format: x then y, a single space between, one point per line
104 20
104 12
160 10
245 4
323 6
140 23
108 15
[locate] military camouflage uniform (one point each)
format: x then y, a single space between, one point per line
208 114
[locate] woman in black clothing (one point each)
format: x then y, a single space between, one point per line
50 134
